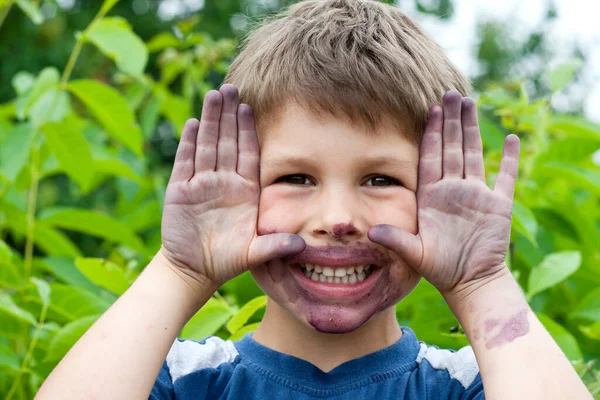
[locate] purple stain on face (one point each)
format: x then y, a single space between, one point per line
340 230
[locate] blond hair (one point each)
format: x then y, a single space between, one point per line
359 59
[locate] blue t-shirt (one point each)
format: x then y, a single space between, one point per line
245 369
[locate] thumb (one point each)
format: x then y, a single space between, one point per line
277 245
403 243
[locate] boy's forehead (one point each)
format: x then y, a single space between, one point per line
298 115
298 136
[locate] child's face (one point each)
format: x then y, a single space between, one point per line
329 181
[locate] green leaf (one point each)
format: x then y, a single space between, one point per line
71 150
562 337
144 217
111 109
32 10
53 242
65 269
243 331
104 274
115 167
162 41
22 81
574 126
107 6
8 306
492 135
43 290
9 274
176 109
591 331
247 311
562 75
524 222
589 307
8 358
92 223
571 150
15 149
588 179
208 320
114 37
553 269
52 106
72 303
67 337
46 80
149 116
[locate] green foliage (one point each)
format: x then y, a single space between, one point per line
84 165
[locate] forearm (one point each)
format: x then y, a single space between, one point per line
517 357
120 356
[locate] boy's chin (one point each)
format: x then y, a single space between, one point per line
337 322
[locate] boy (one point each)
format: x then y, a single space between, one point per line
350 217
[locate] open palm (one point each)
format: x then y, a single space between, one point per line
211 202
464 226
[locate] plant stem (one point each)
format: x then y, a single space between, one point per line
70 64
32 202
29 354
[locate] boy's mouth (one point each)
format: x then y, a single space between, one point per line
337 276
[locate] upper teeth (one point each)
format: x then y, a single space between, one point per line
328 271
348 275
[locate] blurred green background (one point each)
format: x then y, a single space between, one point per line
93 100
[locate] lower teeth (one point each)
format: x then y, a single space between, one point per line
345 280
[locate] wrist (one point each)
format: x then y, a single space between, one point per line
489 303
467 291
197 289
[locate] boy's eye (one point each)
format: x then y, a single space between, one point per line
382 180
294 180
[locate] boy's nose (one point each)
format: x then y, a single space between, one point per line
340 231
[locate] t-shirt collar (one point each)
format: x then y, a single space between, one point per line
399 356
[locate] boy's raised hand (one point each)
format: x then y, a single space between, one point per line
464 227
211 203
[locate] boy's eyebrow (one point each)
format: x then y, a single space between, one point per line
363 161
292 161
379 161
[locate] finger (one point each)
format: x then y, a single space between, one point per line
472 147
509 167
248 150
227 147
430 159
183 167
452 154
403 243
208 135
273 246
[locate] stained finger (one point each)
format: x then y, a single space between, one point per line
430 158
248 150
509 167
183 167
227 147
208 134
472 146
452 153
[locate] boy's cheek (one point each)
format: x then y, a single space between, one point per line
276 213
401 212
